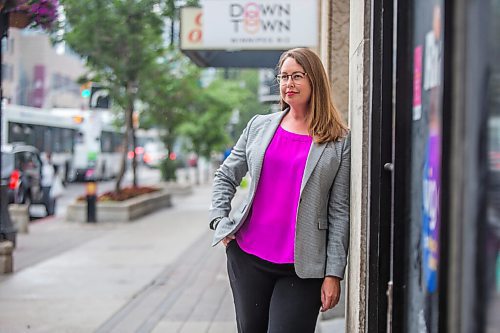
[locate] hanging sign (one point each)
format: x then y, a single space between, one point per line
259 25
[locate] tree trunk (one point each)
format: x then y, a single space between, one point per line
168 140
134 143
123 164
172 23
129 137
170 148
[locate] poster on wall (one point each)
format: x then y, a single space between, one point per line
431 178
426 174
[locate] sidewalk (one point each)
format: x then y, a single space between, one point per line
157 274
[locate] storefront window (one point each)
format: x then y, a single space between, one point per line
424 232
490 252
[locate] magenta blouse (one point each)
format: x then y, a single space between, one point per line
269 231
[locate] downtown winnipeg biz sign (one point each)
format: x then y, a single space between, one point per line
250 25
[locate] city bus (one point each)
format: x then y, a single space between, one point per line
84 144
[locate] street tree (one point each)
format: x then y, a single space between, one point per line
209 114
172 86
250 104
119 40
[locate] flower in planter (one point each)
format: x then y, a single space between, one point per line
124 194
40 13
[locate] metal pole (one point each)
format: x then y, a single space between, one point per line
91 190
7 230
4 19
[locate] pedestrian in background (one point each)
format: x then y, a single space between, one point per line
48 176
57 189
287 244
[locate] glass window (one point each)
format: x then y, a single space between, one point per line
67 140
15 133
19 161
7 72
489 254
29 134
39 138
117 142
5 45
7 164
426 148
106 142
79 137
47 136
56 140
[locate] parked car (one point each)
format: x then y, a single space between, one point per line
22 171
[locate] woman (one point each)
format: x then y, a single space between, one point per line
287 244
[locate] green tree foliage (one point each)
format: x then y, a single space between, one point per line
171 11
249 106
168 93
175 100
208 122
119 40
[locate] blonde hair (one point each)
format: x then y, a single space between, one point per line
325 122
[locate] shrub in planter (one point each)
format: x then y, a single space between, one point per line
167 169
124 194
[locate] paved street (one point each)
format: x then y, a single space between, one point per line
157 274
121 277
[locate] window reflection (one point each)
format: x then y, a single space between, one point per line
491 245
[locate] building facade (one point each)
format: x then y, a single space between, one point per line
36 74
423 108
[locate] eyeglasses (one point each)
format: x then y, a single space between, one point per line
297 77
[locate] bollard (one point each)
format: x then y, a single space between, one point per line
91 201
20 216
6 265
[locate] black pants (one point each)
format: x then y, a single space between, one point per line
271 298
50 203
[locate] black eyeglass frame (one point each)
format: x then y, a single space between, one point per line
279 77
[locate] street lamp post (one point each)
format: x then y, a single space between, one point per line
7 230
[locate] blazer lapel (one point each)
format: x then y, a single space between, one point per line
313 158
267 135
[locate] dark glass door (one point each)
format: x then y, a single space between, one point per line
489 225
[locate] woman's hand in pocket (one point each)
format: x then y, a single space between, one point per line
227 240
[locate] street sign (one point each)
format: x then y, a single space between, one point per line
99 98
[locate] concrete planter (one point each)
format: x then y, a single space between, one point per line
20 216
121 211
178 189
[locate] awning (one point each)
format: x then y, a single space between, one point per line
235 59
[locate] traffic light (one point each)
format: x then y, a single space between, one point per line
85 89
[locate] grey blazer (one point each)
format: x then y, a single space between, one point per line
322 230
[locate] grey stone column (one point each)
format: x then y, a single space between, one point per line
359 120
344 47
334 49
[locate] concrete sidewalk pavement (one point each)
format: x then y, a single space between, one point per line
157 274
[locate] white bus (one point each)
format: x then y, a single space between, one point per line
84 144
98 146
